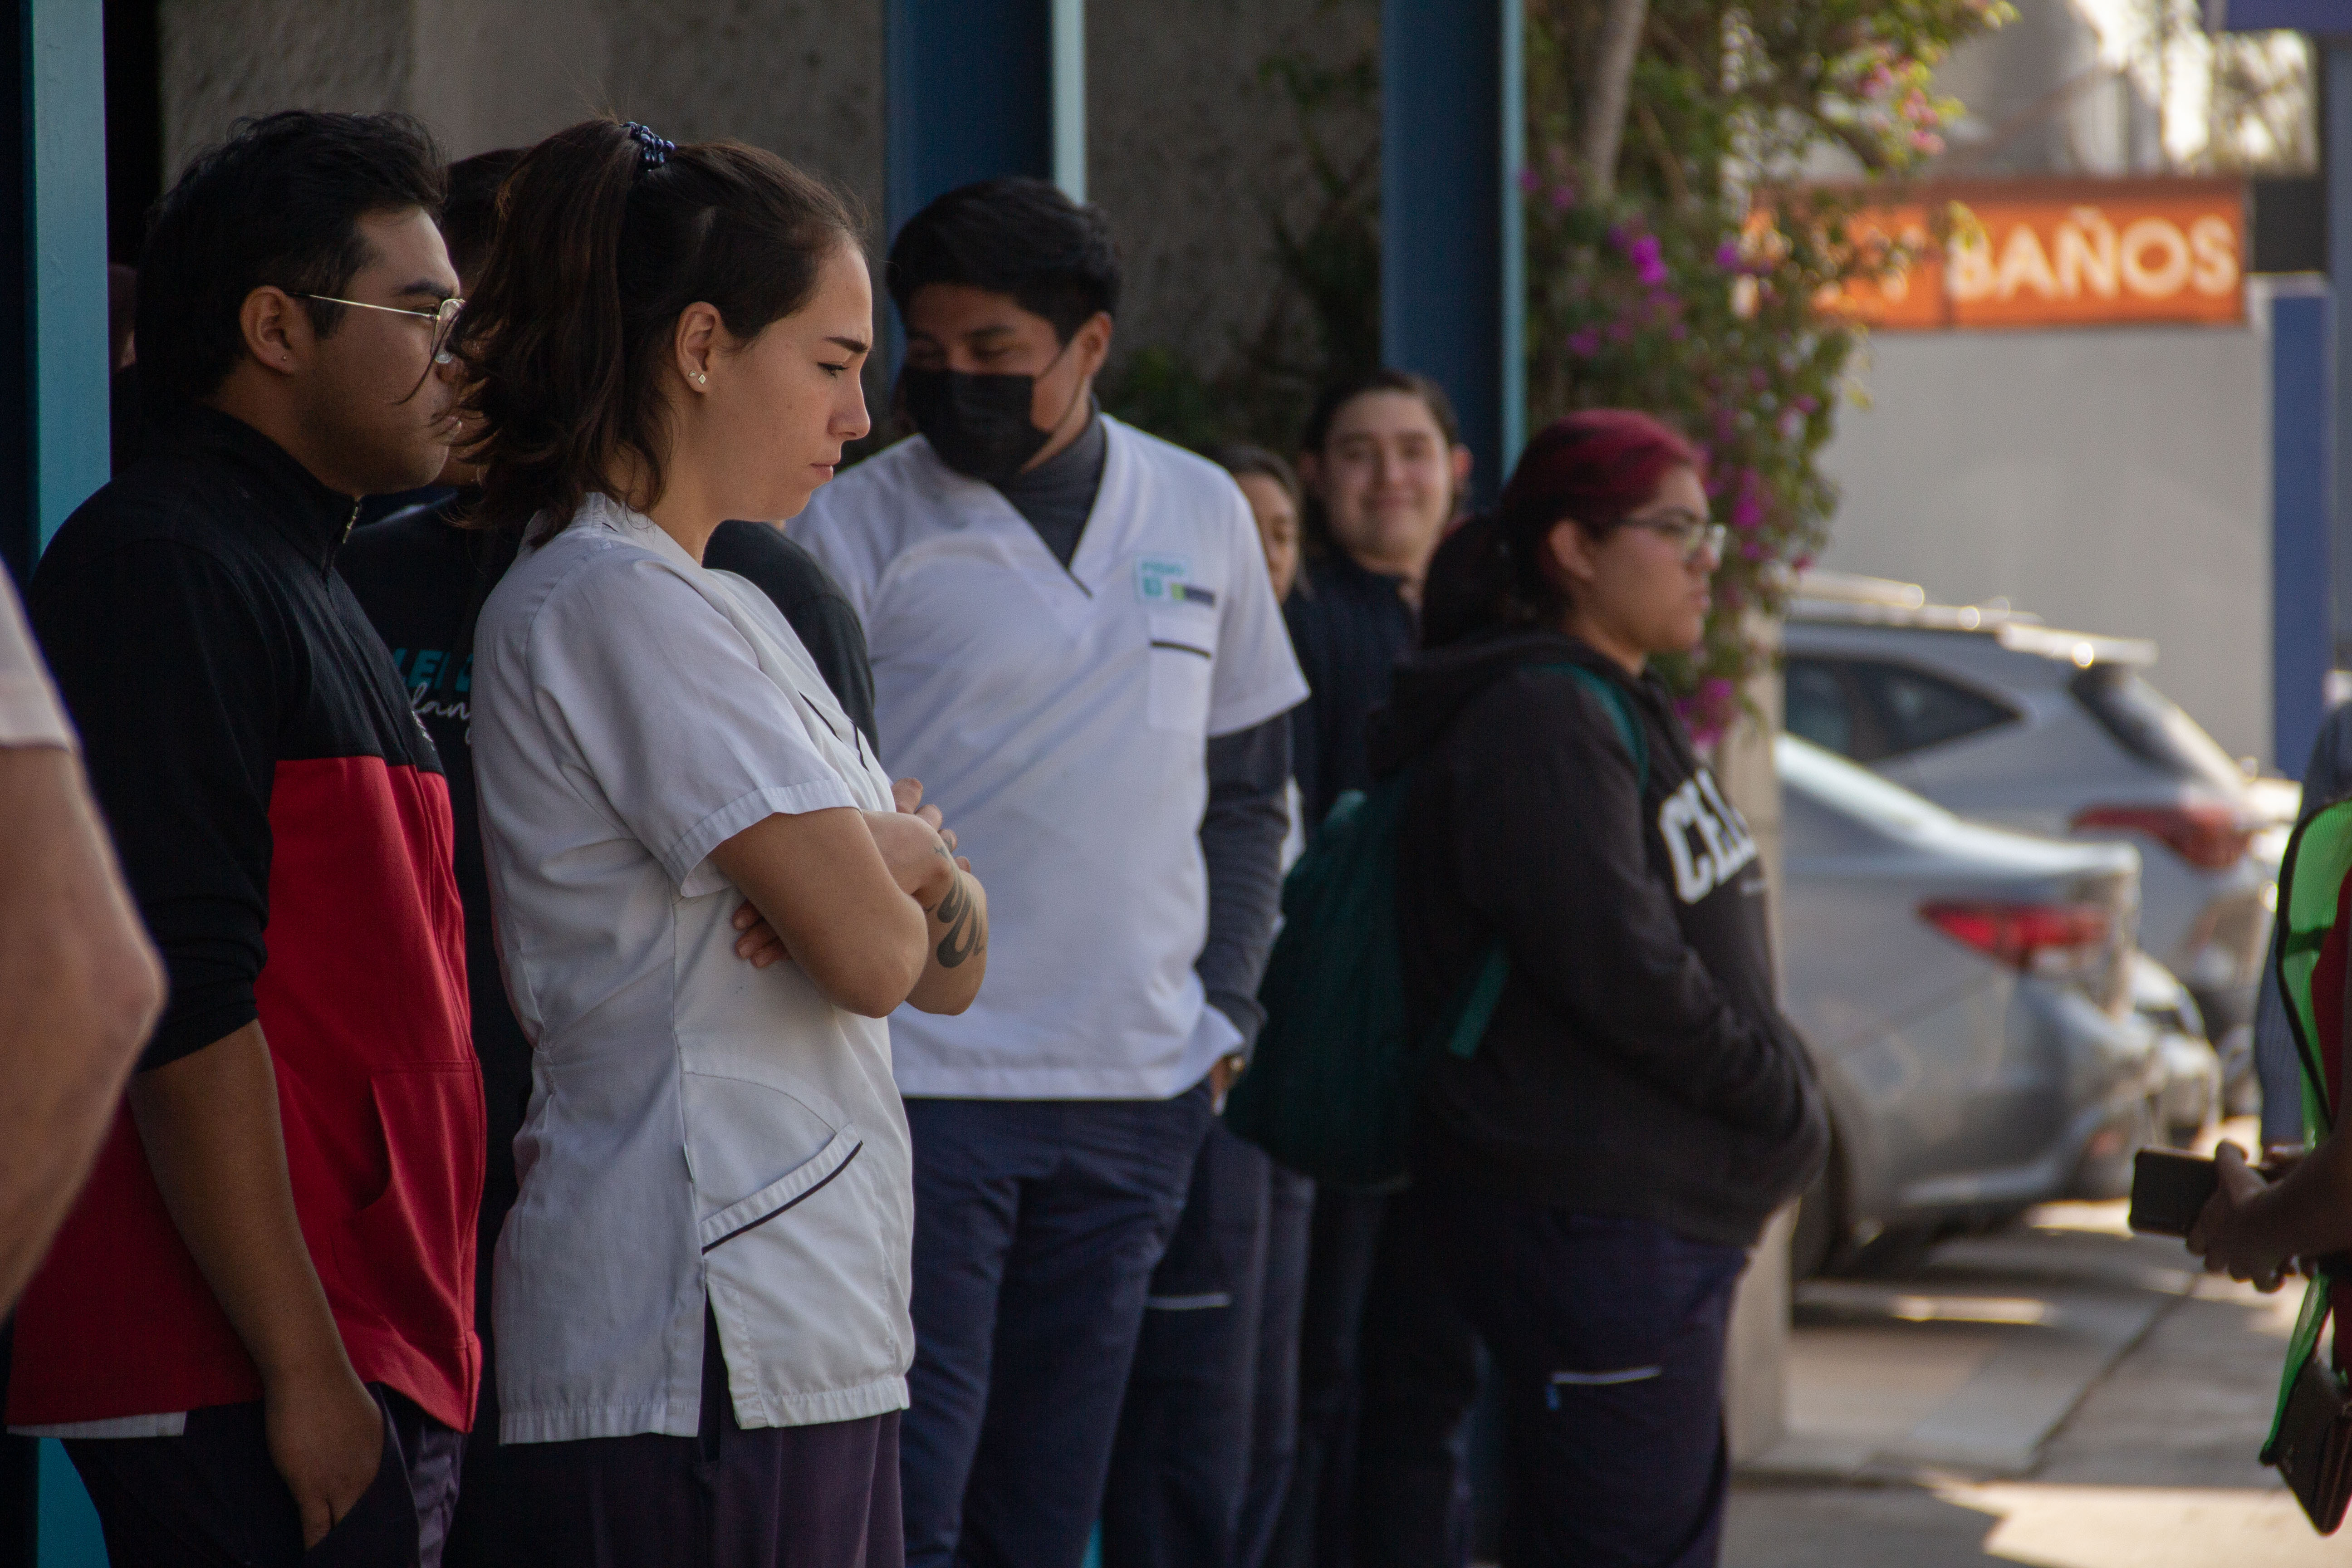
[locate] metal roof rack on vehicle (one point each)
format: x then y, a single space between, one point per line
1856 600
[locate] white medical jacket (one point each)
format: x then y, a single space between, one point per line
697 1126
1060 717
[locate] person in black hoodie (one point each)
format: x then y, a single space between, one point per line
1590 1179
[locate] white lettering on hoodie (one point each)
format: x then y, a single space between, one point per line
1724 844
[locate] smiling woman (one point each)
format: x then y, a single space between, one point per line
666 338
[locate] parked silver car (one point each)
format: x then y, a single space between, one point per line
2191 1099
1986 710
1967 992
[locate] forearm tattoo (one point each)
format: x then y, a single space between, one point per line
967 932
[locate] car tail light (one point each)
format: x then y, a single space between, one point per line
2037 937
2208 835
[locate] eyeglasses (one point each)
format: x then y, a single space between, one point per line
444 318
1691 533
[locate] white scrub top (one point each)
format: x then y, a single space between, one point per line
1060 718
696 1125
30 714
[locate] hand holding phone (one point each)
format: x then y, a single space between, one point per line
2170 1189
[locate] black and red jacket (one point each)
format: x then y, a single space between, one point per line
284 824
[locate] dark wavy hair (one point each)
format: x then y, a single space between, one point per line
1593 468
1238 458
1016 235
601 244
278 203
469 218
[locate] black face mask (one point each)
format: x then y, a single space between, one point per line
979 425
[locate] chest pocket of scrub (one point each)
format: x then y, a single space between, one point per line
1183 655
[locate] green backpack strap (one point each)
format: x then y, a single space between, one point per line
1621 713
1485 990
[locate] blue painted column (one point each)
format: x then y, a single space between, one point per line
66 82
970 92
1452 281
54 440
2303 437
975 90
53 353
1067 32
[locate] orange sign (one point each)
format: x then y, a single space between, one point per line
2056 253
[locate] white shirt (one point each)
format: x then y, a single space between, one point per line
1059 717
696 1125
29 711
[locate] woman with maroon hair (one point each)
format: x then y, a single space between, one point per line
1590 1177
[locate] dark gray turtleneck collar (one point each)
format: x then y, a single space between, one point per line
1058 495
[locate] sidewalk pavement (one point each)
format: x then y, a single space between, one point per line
2064 1395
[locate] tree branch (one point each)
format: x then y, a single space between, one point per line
1612 81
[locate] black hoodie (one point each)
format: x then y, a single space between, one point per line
1638 1064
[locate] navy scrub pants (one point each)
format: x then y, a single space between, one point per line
1038 1225
1207 1433
1608 1336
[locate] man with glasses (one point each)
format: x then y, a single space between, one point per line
256 1327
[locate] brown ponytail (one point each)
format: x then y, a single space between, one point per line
604 237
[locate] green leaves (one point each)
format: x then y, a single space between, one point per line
1693 293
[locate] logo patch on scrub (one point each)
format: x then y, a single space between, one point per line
1160 580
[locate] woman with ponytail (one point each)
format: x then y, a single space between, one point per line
1589 1178
700 1294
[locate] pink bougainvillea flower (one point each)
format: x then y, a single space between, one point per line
1584 342
1649 264
1748 506
1727 257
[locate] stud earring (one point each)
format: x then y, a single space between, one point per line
700 379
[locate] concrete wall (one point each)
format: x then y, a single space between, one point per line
2108 480
1189 149
803 76
223 58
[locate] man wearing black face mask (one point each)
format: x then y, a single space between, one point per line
1076 650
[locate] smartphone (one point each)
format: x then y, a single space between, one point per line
2169 1190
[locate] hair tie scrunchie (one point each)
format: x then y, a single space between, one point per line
653 151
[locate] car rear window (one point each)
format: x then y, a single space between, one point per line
1870 709
2151 726
1818 708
